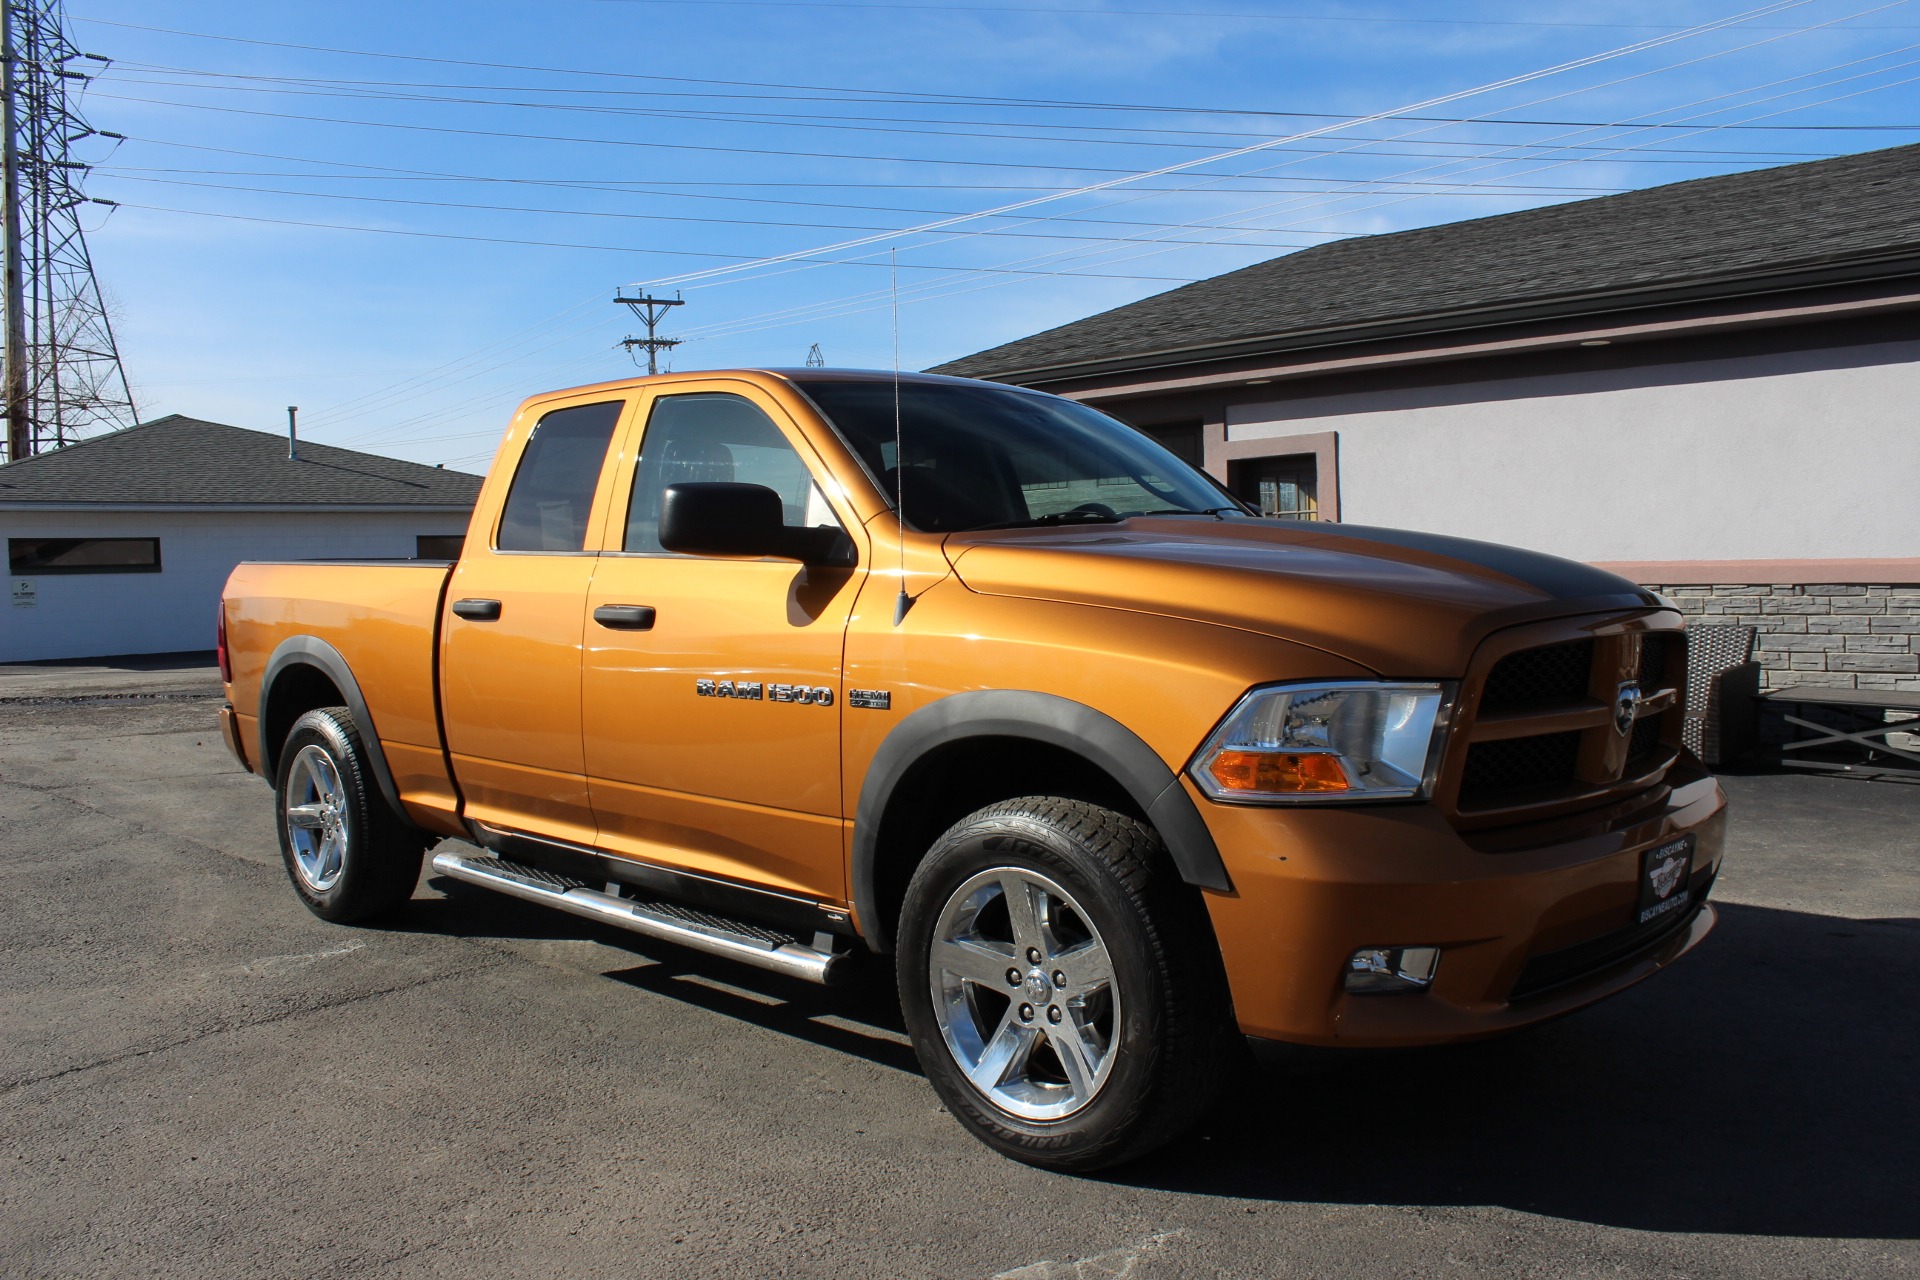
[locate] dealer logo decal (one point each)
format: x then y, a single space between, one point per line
1667 874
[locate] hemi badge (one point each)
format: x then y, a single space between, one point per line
872 699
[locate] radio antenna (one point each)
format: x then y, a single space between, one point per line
903 601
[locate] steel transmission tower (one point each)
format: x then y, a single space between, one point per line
63 377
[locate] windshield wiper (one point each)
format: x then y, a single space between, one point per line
1054 518
1078 516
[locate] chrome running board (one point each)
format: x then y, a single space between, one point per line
668 921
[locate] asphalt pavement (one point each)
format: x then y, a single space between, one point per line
198 1078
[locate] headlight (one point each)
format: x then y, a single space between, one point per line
1342 740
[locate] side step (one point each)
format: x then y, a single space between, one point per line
700 930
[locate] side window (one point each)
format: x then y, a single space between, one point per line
712 436
553 489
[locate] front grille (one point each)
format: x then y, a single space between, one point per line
1545 733
1644 746
1501 771
1653 658
1538 677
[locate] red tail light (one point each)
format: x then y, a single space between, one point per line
220 644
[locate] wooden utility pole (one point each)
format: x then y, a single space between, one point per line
650 311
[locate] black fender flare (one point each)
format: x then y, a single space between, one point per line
1042 717
311 651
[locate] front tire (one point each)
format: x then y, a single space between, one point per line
1061 984
349 856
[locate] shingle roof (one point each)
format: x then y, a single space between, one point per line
1727 229
184 460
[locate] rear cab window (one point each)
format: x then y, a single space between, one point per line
548 507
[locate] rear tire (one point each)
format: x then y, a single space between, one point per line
349 856
1062 986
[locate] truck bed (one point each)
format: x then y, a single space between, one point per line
382 619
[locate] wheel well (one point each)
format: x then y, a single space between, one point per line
298 689
955 779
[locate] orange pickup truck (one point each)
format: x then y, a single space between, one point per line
800 667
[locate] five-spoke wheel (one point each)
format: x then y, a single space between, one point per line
1024 994
316 818
349 855
1061 984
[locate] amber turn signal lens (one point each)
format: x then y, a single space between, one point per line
1277 772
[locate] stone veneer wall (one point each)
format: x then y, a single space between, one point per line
1834 635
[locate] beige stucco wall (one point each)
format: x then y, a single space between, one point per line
98 614
1803 455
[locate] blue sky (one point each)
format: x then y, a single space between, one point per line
406 217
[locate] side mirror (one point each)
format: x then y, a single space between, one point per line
724 519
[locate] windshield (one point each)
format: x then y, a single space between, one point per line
982 457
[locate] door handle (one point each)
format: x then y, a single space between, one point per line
625 617
477 610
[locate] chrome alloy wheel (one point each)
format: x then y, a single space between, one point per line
1024 994
316 818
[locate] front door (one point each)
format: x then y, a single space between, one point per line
712 722
511 634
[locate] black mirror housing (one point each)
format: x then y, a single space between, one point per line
727 519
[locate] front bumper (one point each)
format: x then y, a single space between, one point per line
1534 921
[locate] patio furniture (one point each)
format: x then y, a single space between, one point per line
1854 737
1722 679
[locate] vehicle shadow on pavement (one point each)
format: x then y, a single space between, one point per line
1764 1085
860 1016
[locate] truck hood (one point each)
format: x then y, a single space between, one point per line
1401 603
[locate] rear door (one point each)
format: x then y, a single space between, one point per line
711 686
511 638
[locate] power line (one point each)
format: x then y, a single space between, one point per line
605 248
947 288
1083 254
1498 190
838 95
815 309
1071 255
976 275
645 186
877 124
642 217
961 273
653 144
1384 19
1442 100
907 94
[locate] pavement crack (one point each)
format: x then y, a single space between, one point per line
133 1055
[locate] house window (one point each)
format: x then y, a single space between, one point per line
1181 439
47 556
438 546
1284 488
